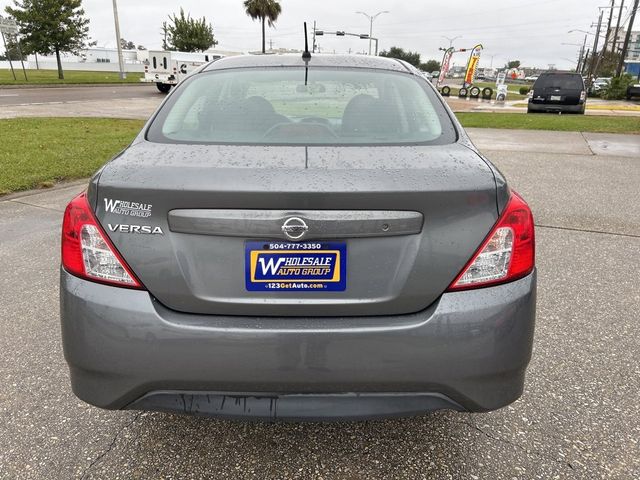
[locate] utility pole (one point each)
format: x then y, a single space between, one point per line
313 48
606 38
123 74
594 51
579 67
371 19
615 38
584 62
627 38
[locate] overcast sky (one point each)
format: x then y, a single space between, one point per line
530 31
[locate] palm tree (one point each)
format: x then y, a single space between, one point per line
266 10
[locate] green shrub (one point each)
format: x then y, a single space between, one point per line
617 89
524 90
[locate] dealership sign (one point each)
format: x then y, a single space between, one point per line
8 26
472 65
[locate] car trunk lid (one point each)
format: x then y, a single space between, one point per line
404 219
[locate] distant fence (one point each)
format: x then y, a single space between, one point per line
76 66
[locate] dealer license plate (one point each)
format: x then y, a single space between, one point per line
305 266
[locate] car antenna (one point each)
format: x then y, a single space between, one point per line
306 55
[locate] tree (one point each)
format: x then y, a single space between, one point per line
617 89
396 52
127 45
512 64
51 26
267 11
431 66
187 34
606 66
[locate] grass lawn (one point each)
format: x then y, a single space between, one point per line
37 152
540 121
47 77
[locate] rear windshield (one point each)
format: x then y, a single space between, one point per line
291 106
565 82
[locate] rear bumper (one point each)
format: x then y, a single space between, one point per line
468 351
555 107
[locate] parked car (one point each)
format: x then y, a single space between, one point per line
558 92
599 85
633 91
291 239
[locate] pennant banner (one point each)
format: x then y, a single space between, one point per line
444 67
472 66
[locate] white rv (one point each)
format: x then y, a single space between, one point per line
167 69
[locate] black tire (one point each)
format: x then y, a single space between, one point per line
463 92
445 91
474 92
487 93
501 97
163 87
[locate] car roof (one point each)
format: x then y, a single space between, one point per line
317 60
560 73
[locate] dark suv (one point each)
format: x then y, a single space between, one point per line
558 92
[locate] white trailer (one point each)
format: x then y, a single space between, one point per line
167 69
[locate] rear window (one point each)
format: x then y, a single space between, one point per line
276 106
564 82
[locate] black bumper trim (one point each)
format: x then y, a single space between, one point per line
295 407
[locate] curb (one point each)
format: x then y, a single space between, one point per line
58 186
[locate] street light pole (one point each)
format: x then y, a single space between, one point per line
123 74
451 39
371 19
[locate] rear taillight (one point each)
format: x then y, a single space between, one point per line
87 251
508 253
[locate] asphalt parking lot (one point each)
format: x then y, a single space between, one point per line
579 416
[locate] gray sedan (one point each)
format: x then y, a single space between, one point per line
299 239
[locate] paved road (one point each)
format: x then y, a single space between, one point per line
578 419
30 96
141 100
136 101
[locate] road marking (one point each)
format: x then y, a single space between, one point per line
9 95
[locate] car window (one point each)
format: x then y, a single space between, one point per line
275 106
565 82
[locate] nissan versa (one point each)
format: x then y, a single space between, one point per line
291 239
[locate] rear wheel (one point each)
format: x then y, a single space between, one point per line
163 87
